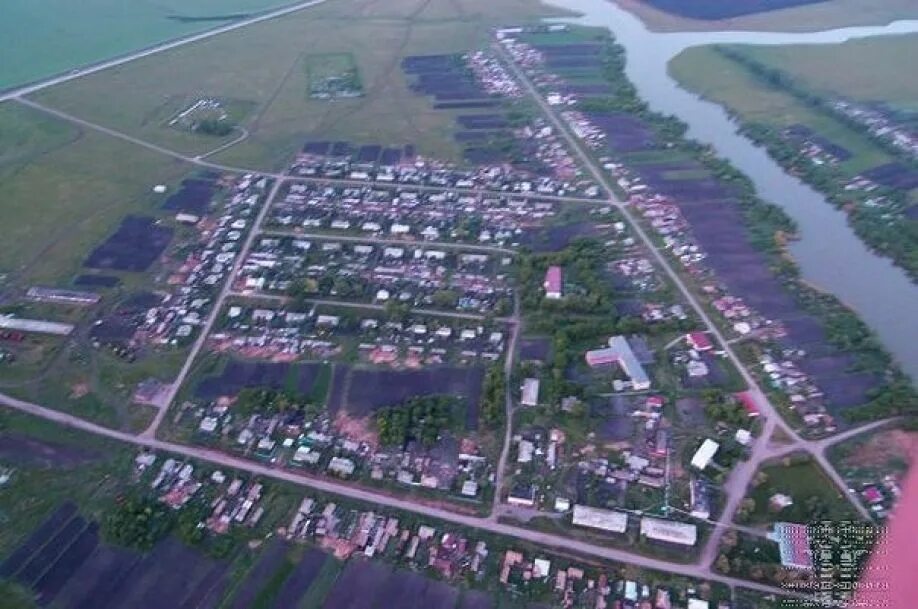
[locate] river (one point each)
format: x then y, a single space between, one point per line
831 257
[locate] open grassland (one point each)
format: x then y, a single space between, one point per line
708 73
267 65
807 18
64 190
41 39
814 495
867 70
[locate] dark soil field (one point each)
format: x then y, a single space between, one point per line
37 539
268 563
367 391
24 450
65 563
894 175
556 238
239 374
373 585
300 580
193 197
535 349
474 599
711 10
136 244
96 281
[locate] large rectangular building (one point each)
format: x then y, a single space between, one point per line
597 518
705 454
670 531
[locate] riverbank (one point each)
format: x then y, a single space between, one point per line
839 370
827 252
804 131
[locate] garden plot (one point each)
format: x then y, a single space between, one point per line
402 589
364 391
238 375
136 244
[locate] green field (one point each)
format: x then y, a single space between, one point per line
41 39
867 70
815 496
705 71
268 69
806 18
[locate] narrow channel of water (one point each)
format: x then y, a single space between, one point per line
828 252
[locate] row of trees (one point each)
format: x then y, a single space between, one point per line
493 397
266 401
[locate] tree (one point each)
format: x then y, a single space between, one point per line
138 522
723 564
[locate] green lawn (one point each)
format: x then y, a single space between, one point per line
705 71
815 496
53 36
868 69
268 69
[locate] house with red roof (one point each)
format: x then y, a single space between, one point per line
748 403
699 341
553 283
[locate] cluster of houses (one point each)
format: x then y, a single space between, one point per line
279 334
232 502
433 173
881 125
208 263
349 532
416 275
781 370
317 444
539 456
575 586
491 75
409 215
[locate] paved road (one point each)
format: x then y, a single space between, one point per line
216 308
374 498
153 50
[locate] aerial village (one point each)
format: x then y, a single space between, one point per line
378 317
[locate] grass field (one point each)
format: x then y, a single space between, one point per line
49 37
821 16
64 190
268 68
51 465
872 68
705 71
815 496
